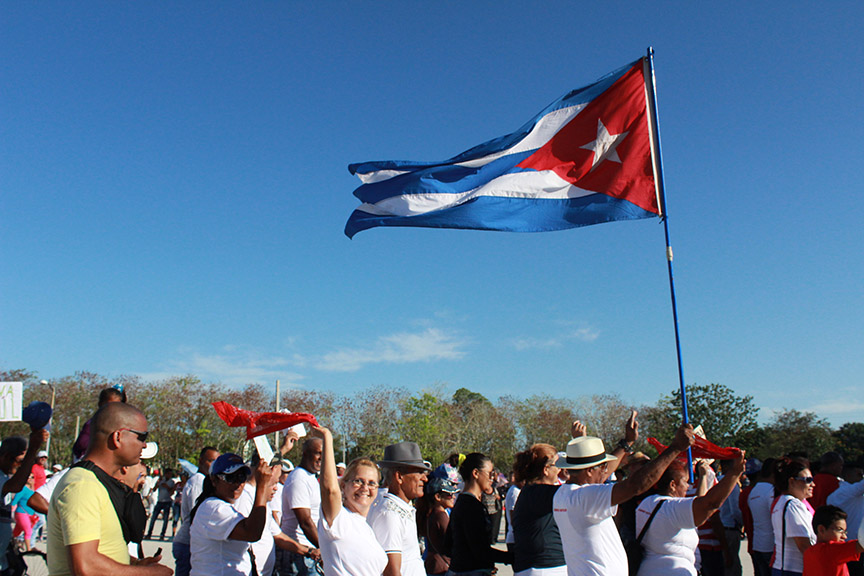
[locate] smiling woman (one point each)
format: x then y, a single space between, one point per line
348 544
219 534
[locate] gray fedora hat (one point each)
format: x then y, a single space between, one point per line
403 454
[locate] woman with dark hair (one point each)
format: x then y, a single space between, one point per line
348 544
433 517
219 535
467 539
790 517
537 543
670 539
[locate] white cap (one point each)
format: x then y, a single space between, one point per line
149 451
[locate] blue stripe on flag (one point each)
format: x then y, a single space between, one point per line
511 214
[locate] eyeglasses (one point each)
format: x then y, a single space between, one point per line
841 531
805 479
142 436
360 483
238 477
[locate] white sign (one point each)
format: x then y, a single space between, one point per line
10 401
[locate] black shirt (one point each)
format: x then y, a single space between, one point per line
538 542
467 537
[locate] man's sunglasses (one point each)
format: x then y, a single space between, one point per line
142 436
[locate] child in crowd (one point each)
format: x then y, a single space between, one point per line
829 555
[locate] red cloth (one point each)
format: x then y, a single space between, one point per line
702 449
825 485
260 423
829 558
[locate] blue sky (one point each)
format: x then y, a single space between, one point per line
174 185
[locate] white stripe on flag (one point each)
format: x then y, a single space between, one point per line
544 185
543 131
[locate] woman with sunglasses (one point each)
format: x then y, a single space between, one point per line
219 535
667 520
790 516
467 537
348 544
537 543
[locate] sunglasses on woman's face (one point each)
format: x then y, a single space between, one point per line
238 477
805 479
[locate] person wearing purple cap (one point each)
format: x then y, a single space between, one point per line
219 535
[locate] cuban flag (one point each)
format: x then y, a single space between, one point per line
586 158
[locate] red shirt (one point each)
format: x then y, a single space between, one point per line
38 476
829 558
825 485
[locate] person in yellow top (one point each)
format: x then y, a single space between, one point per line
85 536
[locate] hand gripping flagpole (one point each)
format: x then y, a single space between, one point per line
657 156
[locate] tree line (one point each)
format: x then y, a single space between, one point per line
182 420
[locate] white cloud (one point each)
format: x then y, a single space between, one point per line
401 348
584 334
233 365
847 407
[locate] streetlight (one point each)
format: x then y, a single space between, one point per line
53 395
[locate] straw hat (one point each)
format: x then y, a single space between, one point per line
584 452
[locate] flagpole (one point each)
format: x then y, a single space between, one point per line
661 194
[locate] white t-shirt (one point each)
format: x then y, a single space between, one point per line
47 489
276 501
349 546
798 524
510 503
213 554
265 548
592 546
193 488
850 497
301 490
395 529
759 500
671 540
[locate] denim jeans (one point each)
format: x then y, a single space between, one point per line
182 559
291 564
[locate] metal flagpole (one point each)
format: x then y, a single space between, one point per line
654 126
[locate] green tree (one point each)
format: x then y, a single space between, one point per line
796 431
850 441
726 418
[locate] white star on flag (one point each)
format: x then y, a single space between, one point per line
604 146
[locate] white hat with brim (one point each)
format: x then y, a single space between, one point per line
584 452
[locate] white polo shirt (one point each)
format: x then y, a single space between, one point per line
395 526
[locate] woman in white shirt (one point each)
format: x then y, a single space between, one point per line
348 544
790 517
670 540
220 535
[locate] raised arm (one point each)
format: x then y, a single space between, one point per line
625 445
250 528
331 494
19 479
705 506
650 473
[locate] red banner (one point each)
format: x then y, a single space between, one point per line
260 423
703 449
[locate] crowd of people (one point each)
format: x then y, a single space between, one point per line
579 511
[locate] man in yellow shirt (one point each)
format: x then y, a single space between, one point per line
85 536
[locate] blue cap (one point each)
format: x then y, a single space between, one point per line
228 464
37 415
436 485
